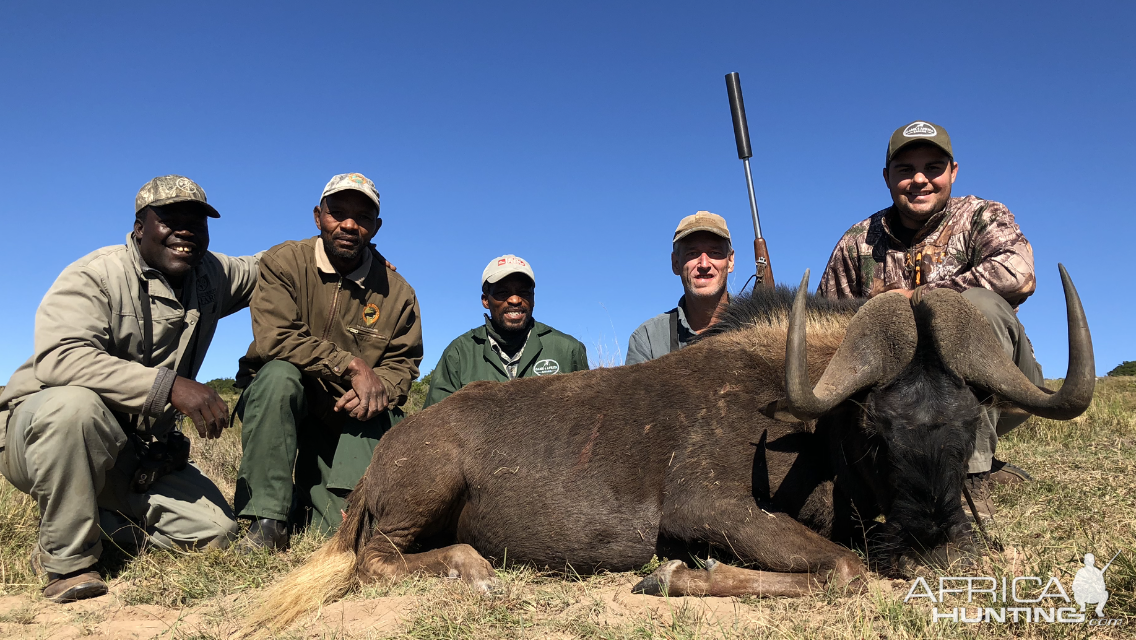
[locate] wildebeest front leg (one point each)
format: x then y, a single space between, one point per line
380 560
800 559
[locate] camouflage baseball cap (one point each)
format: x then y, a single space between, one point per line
165 190
701 221
355 181
918 131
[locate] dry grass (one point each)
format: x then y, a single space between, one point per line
1082 500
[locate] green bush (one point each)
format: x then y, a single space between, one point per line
223 386
1126 368
417 394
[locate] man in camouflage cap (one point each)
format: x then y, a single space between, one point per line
88 425
337 338
928 240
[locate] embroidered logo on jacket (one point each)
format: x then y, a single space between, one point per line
546 367
370 314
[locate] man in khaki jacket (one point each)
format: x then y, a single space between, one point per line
337 339
119 338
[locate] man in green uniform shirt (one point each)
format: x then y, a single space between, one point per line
510 344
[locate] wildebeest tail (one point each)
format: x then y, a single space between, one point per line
327 576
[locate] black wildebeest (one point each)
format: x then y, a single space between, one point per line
724 444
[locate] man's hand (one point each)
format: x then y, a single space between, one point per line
367 397
202 404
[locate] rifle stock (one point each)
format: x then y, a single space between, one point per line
761 260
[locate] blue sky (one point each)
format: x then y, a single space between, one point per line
575 135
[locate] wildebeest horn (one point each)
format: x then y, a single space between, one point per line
879 343
978 358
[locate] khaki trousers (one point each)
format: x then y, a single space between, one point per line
66 449
1012 336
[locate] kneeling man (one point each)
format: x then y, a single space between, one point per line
510 344
337 338
703 258
928 240
91 416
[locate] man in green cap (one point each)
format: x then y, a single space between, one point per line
928 240
511 344
88 423
337 338
703 258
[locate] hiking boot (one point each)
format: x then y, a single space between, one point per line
265 533
978 484
1006 473
77 585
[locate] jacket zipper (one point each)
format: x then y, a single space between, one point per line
331 313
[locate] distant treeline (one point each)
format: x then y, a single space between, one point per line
1126 368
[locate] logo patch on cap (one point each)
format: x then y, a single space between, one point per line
920 130
370 314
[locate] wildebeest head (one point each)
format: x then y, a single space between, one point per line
921 371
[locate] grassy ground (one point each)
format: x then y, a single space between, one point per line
1082 501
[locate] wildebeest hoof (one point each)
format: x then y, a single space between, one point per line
491 588
656 583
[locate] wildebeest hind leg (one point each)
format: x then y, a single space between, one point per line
801 560
379 560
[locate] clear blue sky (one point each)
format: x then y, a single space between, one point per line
573 134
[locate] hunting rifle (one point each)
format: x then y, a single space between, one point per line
741 137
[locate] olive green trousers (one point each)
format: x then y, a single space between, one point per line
298 467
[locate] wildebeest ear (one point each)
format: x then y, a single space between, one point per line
777 411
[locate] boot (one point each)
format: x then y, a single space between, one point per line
77 585
1006 473
265 533
978 484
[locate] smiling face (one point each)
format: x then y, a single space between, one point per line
510 301
173 238
347 221
703 260
920 178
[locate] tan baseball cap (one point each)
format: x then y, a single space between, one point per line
355 181
165 190
701 221
506 265
918 131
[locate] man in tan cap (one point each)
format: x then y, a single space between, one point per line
91 417
337 338
511 344
703 258
929 240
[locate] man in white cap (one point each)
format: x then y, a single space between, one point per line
511 344
703 258
337 338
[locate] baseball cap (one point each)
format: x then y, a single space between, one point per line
701 221
355 181
505 265
918 131
165 190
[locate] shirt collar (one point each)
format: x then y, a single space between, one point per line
323 263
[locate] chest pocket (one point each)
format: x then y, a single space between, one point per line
366 336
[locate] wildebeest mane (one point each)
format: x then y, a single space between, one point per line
770 307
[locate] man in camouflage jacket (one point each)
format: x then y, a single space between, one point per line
928 240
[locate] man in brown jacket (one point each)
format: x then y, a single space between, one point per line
928 240
337 339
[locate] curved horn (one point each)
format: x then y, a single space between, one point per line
879 343
979 359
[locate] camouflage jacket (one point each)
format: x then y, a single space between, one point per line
971 243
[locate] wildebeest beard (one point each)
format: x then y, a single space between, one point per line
924 423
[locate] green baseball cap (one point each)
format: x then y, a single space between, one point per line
919 131
165 190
